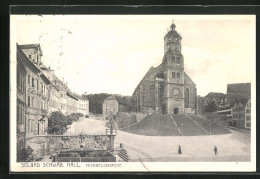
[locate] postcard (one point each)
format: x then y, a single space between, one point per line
132 93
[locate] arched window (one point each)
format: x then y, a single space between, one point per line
187 98
28 79
32 82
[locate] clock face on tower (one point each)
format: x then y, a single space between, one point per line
176 91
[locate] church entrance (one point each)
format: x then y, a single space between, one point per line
176 110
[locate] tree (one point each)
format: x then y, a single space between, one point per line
57 121
25 154
211 107
74 117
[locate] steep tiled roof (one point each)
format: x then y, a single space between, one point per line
216 95
125 100
31 46
173 33
24 59
243 88
150 71
236 97
187 80
160 75
111 97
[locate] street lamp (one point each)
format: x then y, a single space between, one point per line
182 129
209 129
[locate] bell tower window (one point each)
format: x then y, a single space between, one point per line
178 60
178 75
173 74
173 59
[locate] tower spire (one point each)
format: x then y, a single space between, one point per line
173 25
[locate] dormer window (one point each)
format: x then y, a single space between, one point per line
30 56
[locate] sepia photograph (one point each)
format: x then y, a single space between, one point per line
132 93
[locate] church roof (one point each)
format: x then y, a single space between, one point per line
187 80
243 88
111 97
160 75
172 33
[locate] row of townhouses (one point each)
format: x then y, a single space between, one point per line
235 104
40 92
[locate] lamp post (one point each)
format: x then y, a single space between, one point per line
209 129
182 129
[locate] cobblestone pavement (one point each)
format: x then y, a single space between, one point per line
231 147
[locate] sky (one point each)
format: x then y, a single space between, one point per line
111 54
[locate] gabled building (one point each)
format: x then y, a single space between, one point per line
21 103
241 114
241 88
36 122
83 105
248 114
167 88
54 93
234 105
110 106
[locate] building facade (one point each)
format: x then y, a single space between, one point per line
110 106
167 88
237 95
248 115
241 114
54 103
83 105
238 115
36 122
21 103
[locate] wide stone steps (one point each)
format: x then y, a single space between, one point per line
123 154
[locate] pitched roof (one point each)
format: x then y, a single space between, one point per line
111 97
125 100
187 80
236 97
44 78
173 33
215 95
150 71
28 46
25 59
243 88
160 75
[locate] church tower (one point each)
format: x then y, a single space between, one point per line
173 69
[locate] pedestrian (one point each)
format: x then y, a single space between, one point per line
179 150
216 150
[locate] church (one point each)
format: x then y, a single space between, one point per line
167 89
